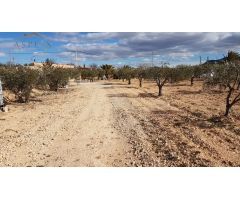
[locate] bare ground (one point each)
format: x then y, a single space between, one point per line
114 124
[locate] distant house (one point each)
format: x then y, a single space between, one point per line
218 61
232 56
36 65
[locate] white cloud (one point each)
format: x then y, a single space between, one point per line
109 46
2 54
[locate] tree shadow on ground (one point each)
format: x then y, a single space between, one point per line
163 112
109 87
121 95
35 100
113 84
127 86
177 84
189 92
147 95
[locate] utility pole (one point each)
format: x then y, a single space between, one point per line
10 58
76 57
152 58
200 60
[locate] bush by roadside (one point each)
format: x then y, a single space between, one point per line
20 81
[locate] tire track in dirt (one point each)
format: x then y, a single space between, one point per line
172 154
96 142
72 129
196 149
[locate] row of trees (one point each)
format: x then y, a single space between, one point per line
162 74
21 80
225 76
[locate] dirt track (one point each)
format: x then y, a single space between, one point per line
109 124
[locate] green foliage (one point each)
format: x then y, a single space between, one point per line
227 76
120 73
100 73
183 72
160 74
141 73
89 74
233 56
127 73
108 70
192 72
20 81
56 78
74 73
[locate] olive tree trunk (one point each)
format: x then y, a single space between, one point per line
192 79
140 82
160 85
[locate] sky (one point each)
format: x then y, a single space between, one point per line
117 48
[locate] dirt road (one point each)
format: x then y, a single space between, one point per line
108 124
70 129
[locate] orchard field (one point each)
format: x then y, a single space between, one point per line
113 123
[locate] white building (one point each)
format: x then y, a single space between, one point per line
36 65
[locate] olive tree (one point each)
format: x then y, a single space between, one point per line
160 74
58 77
74 73
234 57
54 77
108 70
227 75
89 74
120 74
140 73
100 73
196 72
183 72
20 81
128 73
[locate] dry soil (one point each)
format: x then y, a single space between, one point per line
111 123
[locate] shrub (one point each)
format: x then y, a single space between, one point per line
74 73
54 77
89 74
20 81
57 77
